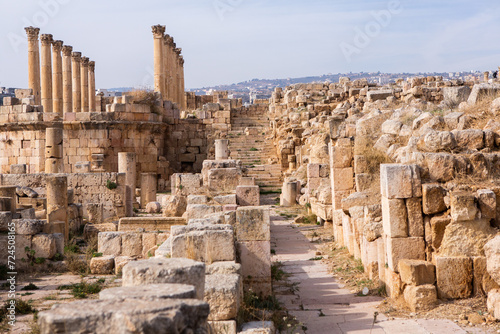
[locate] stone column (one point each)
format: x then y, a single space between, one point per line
67 77
171 68
57 205
158 32
292 163
46 84
289 195
9 192
166 65
183 87
221 149
76 58
92 85
34 62
57 78
148 188
127 165
486 76
177 76
84 79
54 150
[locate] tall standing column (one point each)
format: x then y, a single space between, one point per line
57 78
76 58
148 188
158 33
84 78
67 78
46 84
57 205
54 150
165 66
127 165
34 62
92 85
183 87
170 65
178 76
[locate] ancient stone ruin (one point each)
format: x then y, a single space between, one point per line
169 185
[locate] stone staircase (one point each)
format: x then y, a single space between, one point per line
254 150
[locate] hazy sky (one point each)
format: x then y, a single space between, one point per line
227 41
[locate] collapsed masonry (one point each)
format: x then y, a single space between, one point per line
405 175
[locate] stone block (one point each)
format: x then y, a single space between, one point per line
199 211
343 179
248 195
18 169
197 199
492 252
153 207
120 262
28 214
44 245
223 268
463 207
186 184
5 221
224 180
433 199
312 171
404 248
149 224
142 316
258 327
482 282
206 243
454 277
417 272
226 327
253 224
150 292
438 227
28 226
493 303
103 265
175 206
226 200
247 181
255 258
420 298
222 293
415 218
131 245
393 284
400 181
110 243
163 270
394 217
487 203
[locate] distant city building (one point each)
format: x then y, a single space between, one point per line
107 93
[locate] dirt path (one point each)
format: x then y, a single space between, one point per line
319 301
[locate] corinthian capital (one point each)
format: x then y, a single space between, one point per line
32 33
158 31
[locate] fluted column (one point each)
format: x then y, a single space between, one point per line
46 84
67 78
183 88
169 69
165 66
84 78
158 33
57 78
76 58
34 62
92 85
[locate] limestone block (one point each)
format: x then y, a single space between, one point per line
18 169
482 282
197 199
144 316
492 252
343 179
59 237
110 243
28 214
103 265
255 258
131 245
400 181
148 243
222 293
175 206
44 245
469 139
248 195
247 181
454 277
393 283
433 199
5 220
466 238
226 327
404 248
487 203
493 303
226 200
415 218
258 327
394 217
28 226
313 171
186 184
463 207
252 224
94 212
224 180
206 243
420 298
198 211
120 262
163 270
223 268
153 207
151 291
149 224
417 272
341 156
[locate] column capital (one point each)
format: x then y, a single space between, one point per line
85 61
32 33
178 51
46 39
181 60
92 66
169 40
57 46
66 50
77 56
158 31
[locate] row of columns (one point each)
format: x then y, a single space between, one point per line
62 80
168 67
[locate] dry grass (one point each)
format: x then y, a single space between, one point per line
147 97
374 158
481 113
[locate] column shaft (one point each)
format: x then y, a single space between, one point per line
67 79
57 78
34 63
92 86
84 78
76 58
127 165
57 205
158 32
46 73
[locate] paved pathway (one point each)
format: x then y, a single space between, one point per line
321 303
